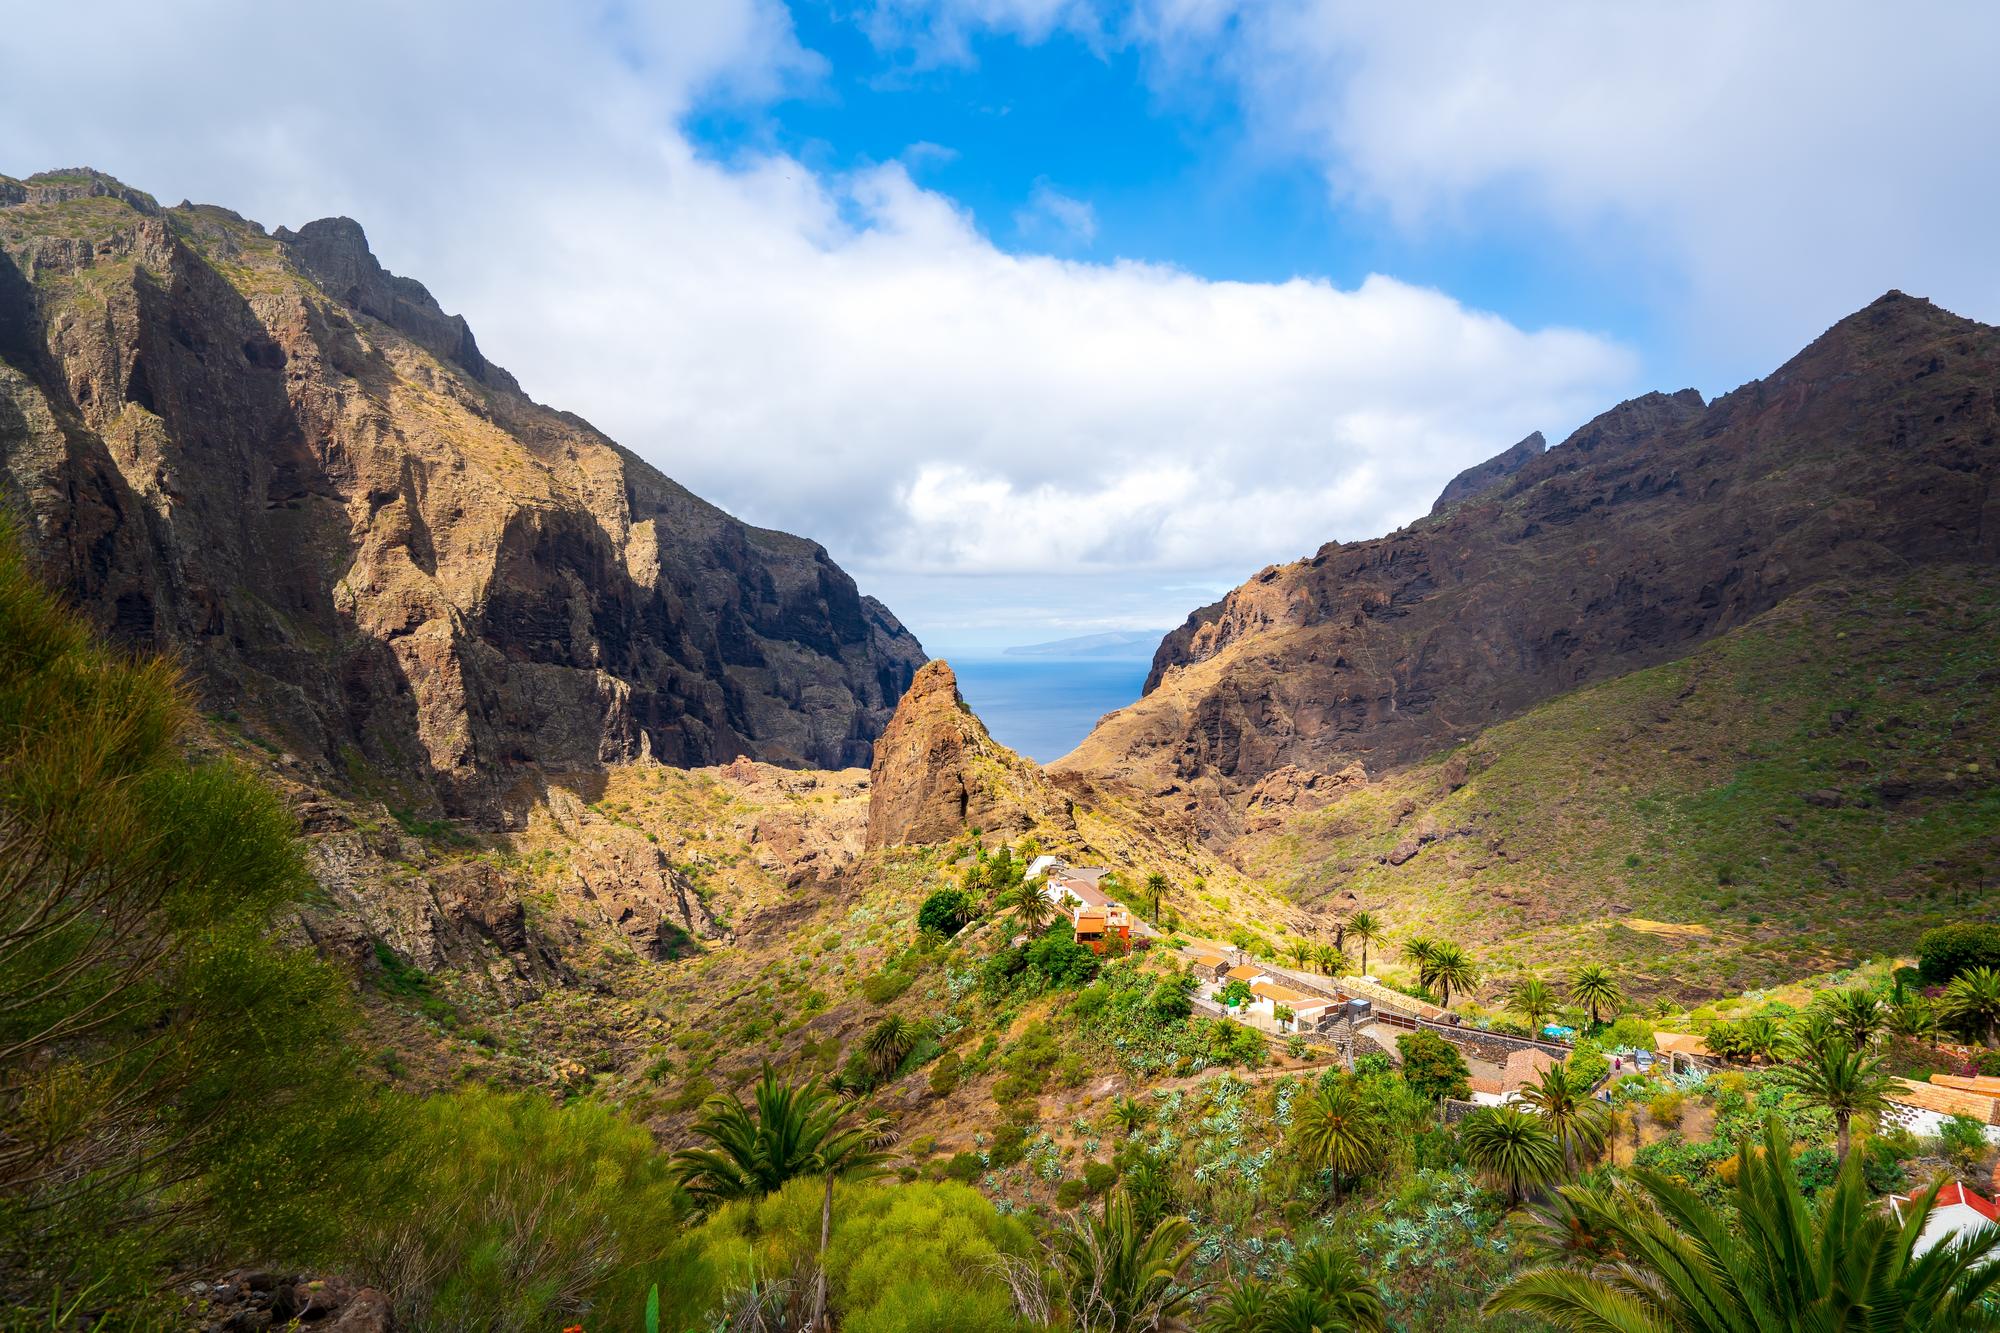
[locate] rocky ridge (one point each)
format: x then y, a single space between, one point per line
266 455
1655 527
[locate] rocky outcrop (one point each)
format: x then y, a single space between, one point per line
269 457
1483 477
1653 528
937 773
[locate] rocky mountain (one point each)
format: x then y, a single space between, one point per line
1655 527
1483 477
938 772
267 455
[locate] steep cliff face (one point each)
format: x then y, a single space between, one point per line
267 455
937 773
1647 532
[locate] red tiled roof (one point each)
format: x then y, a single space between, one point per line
1084 892
1955 1193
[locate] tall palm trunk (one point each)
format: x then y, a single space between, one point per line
1841 1134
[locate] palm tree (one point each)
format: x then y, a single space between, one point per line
1915 1019
1336 1131
1128 1115
794 1130
1451 967
1241 1306
888 1042
1761 1036
1300 952
1156 885
1533 999
1419 950
1120 1276
1836 1077
1031 907
1660 1257
1857 1014
1511 1147
1593 987
1972 1000
1331 959
1364 927
1334 1277
1575 1120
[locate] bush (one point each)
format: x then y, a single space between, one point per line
526 1215
904 1258
1071 1193
1945 952
144 1004
1667 1107
884 986
1010 1143
965 1167
1057 956
1432 1066
1963 1141
945 911
945 1074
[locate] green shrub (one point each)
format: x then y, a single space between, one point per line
904 1258
945 911
1432 1066
945 1074
525 1215
883 986
144 1004
965 1167
1099 1176
1071 1193
1057 956
1946 951
1010 1143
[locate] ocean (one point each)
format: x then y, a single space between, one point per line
1042 706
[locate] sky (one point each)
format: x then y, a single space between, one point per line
1048 317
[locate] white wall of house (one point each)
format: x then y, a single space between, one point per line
1926 1123
1946 1225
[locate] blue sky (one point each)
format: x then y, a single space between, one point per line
1055 316
1171 175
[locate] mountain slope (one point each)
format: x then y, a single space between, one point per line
1657 526
1705 825
267 455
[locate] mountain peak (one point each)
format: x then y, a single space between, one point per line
334 253
1483 477
938 772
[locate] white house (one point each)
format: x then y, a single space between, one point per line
1042 865
1958 1213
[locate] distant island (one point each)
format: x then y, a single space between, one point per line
1113 643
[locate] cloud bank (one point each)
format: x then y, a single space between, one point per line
845 355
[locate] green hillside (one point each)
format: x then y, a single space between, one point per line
1807 790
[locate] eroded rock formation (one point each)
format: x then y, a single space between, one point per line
266 455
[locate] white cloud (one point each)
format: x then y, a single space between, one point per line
1056 219
1764 167
846 356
